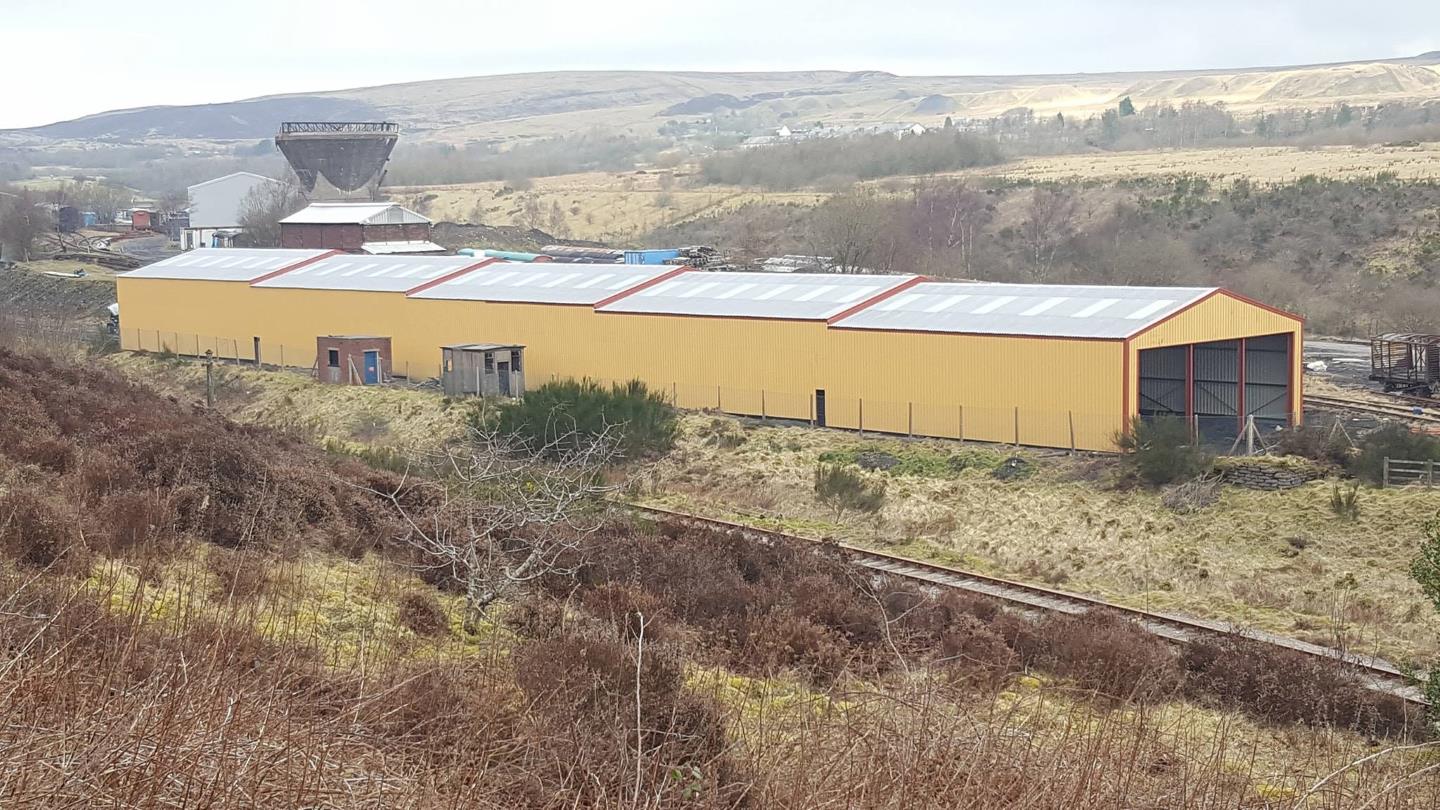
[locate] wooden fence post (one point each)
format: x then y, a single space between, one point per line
1385 473
762 405
1071 415
862 416
961 409
1429 472
910 420
1017 425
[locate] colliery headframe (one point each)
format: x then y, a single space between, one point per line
349 155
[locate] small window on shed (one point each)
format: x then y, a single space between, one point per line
333 358
515 361
489 363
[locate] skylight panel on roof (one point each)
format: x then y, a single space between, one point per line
1096 308
897 302
698 289
735 290
948 302
561 280
1044 306
992 305
1149 309
593 280
771 293
854 294
816 293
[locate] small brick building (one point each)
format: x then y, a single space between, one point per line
358 227
352 359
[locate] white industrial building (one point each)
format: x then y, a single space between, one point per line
215 207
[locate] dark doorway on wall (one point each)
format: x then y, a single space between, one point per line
820 407
1215 386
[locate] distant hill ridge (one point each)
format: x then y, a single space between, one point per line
540 104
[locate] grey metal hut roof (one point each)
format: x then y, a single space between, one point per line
791 296
354 213
371 273
1041 310
226 264
547 283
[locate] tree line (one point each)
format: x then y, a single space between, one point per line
1355 257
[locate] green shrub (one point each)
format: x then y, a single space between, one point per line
580 410
842 489
1161 450
1392 441
1317 443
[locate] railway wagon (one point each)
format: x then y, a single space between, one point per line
1405 361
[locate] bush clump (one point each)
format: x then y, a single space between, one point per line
1392 441
914 459
844 489
575 411
1162 451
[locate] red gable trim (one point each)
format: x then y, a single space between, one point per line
1206 297
296 266
441 280
684 268
875 299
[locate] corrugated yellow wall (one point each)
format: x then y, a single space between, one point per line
994 388
1222 317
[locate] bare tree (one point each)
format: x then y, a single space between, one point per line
22 220
263 208
858 232
1049 224
506 513
947 216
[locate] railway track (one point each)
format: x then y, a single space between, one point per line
1376 673
1417 412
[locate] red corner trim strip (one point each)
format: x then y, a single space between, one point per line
875 299
296 266
448 276
638 287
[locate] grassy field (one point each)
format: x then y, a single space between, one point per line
1279 561
1258 164
599 206
620 208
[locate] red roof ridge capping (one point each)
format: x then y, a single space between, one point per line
296 266
458 273
684 268
876 298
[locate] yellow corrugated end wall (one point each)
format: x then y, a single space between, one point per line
1221 317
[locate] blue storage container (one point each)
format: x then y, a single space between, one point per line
658 256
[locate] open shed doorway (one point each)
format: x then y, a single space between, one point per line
1215 386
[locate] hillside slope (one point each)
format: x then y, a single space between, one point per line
539 104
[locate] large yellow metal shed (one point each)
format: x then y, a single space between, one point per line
1047 365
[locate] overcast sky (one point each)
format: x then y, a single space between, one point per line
84 56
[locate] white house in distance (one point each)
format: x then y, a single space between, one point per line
215 209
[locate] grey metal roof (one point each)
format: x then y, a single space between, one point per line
371 273
225 264
407 246
353 213
546 283
1045 310
795 296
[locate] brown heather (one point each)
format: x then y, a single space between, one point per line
160 646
